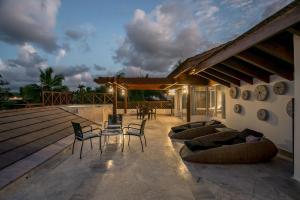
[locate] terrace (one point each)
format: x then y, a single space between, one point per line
35 152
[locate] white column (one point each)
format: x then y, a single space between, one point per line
297 107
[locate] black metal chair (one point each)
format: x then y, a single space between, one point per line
135 130
82 136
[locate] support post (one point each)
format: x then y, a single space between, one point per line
115 98
188 104
125 101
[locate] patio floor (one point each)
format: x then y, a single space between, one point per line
158 173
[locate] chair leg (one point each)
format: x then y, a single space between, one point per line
73 146
128 139
100 145
81 148
91 143
141 143
123 142
145 140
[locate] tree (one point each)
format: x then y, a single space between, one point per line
48 81
81 88
4 91
31 93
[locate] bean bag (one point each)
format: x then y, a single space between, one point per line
260 151
195 132
197 124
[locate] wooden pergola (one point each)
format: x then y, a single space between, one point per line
147 83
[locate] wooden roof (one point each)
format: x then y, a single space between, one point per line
26 131
147 83
264 50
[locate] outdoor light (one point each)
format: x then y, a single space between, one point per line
171 92
123 92
110 89
185 89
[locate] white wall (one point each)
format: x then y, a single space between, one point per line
297 108
278 127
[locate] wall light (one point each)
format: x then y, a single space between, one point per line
123 92
110 89
185 89
171 92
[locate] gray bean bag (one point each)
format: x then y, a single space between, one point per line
260 151
195 132
196 124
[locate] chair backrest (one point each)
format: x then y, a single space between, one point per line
115 119
143 126
77 130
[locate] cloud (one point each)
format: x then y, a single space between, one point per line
29 21
24 69
157 40
275 6
81 34
61 54
99 68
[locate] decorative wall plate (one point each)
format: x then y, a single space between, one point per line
262 114
237 108
234 92
280 88
261 92
290 108
246 94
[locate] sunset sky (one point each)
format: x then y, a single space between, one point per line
86 39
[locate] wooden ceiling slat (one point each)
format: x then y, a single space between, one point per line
210 77
267 63
277 49
233 73
223 77
248 69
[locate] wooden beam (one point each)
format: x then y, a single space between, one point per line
267 63
277 49
295 29
186 79
280 21
233 73
248 69
188 104
223 77
210 77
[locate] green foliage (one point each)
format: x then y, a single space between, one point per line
31 93
50 82
101 89
145 95
4 91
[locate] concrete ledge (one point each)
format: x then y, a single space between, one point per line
25 166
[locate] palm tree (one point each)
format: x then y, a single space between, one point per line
48 81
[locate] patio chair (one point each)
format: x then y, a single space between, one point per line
114 122
82 136
135 130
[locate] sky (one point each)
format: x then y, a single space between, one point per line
86 39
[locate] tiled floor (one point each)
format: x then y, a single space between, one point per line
158 173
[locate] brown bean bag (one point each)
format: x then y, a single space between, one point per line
261 151
195 132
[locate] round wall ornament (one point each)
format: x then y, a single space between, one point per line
262 114
246 94
237 108
261 92
290 108
280 88
234 92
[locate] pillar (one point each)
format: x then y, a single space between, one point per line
125 101
188 104
297 107
115 98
